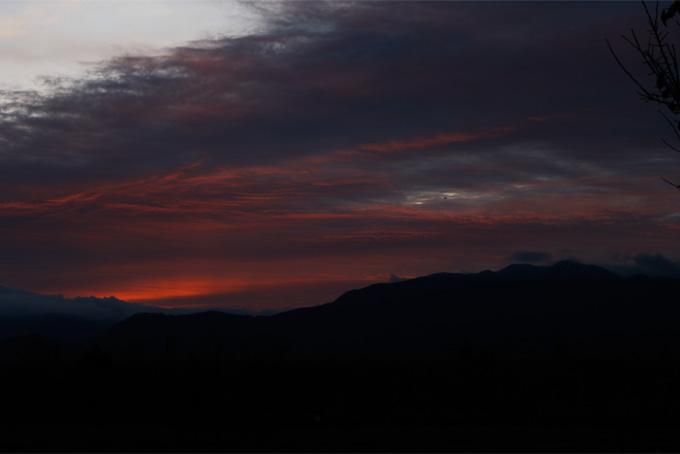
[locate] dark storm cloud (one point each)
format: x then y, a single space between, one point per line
340 136
324 77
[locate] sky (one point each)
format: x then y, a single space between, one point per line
66 38
263 156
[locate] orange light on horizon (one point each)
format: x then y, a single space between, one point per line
165 288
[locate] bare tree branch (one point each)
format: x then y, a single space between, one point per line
676 186
659 55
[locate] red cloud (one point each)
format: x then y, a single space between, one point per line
445 138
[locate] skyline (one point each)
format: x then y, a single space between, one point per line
332 146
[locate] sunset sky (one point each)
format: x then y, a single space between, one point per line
266 156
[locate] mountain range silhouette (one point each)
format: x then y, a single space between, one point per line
568 357
521 309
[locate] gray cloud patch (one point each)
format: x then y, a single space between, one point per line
657 265
531 257
19 303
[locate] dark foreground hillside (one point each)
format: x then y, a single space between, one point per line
568 357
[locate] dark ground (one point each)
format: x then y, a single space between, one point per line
567 358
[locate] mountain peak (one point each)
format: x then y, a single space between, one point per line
21 303
564 269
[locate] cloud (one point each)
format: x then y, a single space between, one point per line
649 264
19 303
657 265
211 98
531 256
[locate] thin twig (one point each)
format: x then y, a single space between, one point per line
676 186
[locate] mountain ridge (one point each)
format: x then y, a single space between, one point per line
517 309
377 301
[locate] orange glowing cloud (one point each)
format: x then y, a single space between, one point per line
152 289
405 145
445 138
